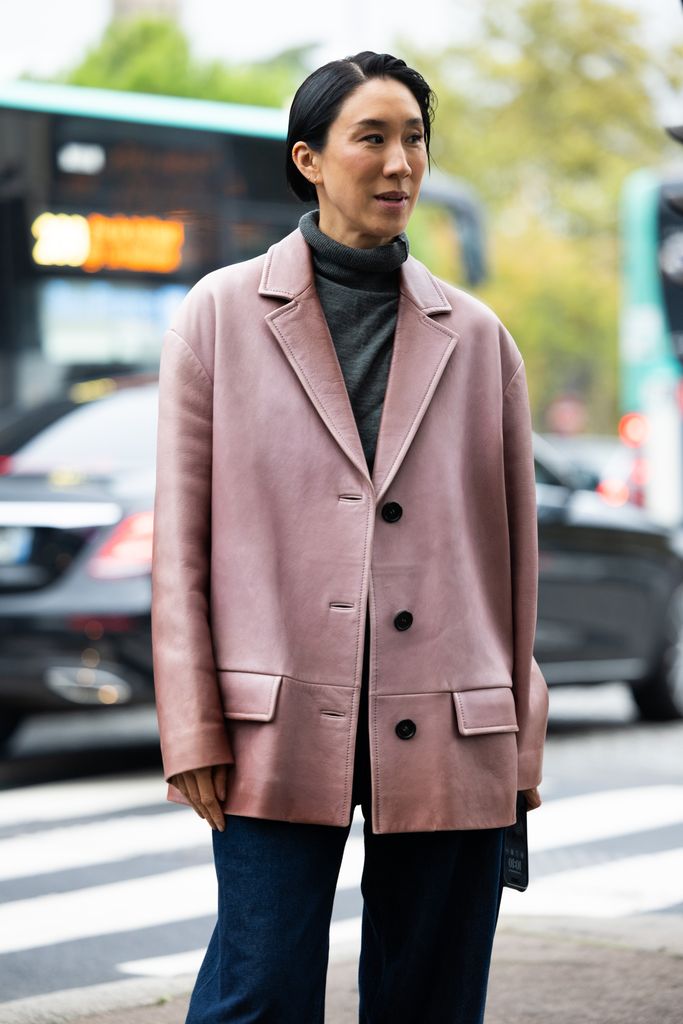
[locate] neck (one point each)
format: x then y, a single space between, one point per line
376 265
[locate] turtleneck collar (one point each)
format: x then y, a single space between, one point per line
376 269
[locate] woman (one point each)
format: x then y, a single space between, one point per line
344 583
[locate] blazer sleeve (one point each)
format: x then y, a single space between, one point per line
529 686
189 709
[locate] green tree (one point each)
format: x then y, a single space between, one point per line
152 54
546 111
550 106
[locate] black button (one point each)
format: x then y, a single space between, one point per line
403 620
392 511
406 729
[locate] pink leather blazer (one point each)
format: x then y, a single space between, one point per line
269 537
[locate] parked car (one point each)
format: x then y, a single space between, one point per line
610 603
614 469
76 499
76 496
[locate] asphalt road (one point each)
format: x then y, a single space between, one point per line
105 884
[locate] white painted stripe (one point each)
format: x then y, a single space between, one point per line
352 863
634 885
75 799
56 801
631 885
106 842
607 813
125 906
164 966
105 909
345 937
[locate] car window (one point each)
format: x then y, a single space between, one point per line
545 476
101 437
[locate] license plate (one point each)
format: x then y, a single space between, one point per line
15 544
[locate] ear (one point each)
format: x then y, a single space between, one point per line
307 161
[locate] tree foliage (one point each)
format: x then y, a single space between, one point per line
546 112
550 106
153 55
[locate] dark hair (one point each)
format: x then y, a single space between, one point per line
318 99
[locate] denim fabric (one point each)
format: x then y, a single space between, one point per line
431 903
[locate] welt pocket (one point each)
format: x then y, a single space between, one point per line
485 710
249 695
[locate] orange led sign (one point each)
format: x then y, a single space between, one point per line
100 242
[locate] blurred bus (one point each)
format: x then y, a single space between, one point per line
651 335
113 204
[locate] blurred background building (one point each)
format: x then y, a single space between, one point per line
131 8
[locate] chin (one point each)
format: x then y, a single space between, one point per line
389 228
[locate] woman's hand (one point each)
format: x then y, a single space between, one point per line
204 787
533 798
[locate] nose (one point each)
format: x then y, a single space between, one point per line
396 163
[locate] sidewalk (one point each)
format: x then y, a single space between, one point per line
543 971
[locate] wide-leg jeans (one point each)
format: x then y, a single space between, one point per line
430 909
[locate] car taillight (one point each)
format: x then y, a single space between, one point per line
5 464
614 492
128 551
633 429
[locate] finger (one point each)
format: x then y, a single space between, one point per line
220 780
209 800
193 794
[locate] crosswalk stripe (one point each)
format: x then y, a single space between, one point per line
164 966
103 842
557 823
105 909
632 885
629 885
344 942
124 906
78 799
608 813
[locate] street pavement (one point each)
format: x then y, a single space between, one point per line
542 971
108 893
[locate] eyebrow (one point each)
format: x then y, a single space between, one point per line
373 122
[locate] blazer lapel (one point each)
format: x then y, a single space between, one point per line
301 329
421 350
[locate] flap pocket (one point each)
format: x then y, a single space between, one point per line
490 709
249 694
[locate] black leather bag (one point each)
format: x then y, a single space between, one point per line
516 850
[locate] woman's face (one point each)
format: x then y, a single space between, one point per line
368 174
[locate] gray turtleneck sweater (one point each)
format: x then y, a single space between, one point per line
358 291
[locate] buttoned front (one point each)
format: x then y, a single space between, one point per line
272 537
392 512
406 729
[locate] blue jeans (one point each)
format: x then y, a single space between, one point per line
431 902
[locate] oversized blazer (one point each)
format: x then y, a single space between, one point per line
271 536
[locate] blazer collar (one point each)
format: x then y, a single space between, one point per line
421 350
288 272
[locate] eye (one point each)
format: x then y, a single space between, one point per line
365 137
416 137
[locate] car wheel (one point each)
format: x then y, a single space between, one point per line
9 723
659 698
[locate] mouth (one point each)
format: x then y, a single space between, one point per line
393 200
